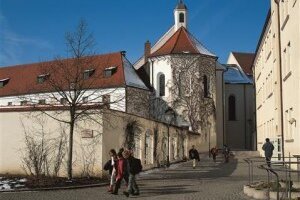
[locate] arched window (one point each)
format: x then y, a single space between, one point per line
161 85
205 86
181 17
231 108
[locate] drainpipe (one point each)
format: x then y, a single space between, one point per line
280 77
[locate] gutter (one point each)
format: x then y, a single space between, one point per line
280 77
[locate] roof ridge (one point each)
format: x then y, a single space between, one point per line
176 32
63 59
201 44
180 32
193 45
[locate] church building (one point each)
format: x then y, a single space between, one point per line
182 73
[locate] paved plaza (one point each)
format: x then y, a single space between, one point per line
211 181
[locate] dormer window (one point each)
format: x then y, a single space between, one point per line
109 71
42 102
3 82
88 73
42 78
24 103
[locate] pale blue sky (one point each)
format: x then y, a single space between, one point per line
33 30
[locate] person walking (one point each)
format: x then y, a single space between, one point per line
226 152
120 172
214 153
194 155
111 167
268 149
134 166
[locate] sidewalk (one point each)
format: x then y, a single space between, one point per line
211 181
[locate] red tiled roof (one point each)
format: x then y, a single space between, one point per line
245 60
23 78
181 42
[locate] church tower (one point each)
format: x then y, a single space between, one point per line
180 15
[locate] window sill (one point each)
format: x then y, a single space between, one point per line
289 140
285 22
270 95
287 76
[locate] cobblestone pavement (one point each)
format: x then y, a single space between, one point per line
209 181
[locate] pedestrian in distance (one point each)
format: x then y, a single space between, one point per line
226 153
134 167
268 149
120 172
214 153
194 155
111 167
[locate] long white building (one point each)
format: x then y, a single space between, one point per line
277 79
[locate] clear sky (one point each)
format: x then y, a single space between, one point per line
33 30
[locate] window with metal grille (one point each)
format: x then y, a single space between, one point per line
162 85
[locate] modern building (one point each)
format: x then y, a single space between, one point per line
277 79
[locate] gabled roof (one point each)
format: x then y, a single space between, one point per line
23 78
182 42
245 60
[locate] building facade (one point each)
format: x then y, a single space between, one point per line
277 79
239 102
183 75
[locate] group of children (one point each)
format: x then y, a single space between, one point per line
123 166
226 152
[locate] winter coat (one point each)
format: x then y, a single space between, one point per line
193 154
121 168
268 148
134 165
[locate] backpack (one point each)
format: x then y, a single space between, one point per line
136 166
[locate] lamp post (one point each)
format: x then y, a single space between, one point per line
169 115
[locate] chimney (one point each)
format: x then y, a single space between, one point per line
147 50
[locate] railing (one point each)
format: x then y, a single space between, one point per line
276 168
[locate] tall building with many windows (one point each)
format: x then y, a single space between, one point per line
277 79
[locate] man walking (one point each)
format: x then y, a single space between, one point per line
134 166
194 155
268 148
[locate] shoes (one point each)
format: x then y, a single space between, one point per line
114 193
110 189
126 193
136 194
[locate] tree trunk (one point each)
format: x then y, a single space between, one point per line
70 154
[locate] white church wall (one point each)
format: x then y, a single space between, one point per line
161 66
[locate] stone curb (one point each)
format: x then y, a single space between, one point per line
57 188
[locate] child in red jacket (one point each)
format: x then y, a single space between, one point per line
120 172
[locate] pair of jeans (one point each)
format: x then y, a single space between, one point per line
268 160
132 186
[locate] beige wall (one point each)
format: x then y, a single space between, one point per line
91 152
268 79
87 151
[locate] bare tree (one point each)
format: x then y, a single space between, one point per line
193 89
73 86
133 130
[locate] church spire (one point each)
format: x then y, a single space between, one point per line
180 15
